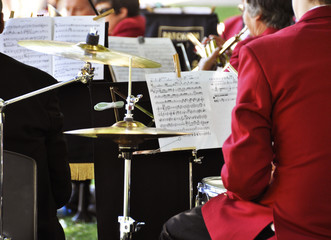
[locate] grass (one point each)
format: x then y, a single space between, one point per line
79 231
225 12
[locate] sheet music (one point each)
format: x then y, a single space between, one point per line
198 102
75 29
27 29
68 29
223 92
159 50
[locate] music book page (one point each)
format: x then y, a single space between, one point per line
159 50
75 29
68 29
17 29
199 103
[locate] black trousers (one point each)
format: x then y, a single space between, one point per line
189 225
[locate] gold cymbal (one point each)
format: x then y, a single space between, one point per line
126 133
88 53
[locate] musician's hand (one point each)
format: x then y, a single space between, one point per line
219 40
210 62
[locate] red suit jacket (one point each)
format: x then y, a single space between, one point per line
282 115
234 60
233 26
130 27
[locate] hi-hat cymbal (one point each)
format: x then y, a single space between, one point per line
88 53
126 133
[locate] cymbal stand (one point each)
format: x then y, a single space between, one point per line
84 76
193 159
127 224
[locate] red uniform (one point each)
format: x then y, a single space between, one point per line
234 60
130 27
282 115
233 26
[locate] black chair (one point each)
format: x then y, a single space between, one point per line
19 197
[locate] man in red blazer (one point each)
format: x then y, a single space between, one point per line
282 119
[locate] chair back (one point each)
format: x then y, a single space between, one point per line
19 197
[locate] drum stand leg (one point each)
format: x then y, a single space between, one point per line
127 224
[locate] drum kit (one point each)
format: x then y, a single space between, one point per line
128 134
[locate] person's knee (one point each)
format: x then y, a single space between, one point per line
164 233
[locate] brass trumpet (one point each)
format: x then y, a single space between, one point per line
210 47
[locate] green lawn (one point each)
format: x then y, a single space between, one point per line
79 231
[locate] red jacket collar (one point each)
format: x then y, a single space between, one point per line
324 11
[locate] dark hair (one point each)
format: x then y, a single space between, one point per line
131 5
275 13
328 2
0 6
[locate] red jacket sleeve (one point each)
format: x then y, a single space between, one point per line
248 151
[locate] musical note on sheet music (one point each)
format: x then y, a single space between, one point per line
27 29
199 102
157 49
67 29
75 29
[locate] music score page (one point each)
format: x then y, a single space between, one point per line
159 50
72 29
199 103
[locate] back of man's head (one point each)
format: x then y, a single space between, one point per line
131 5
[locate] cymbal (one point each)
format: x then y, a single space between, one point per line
88 53
126 133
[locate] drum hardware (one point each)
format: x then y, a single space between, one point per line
193 159
136 105
128 134
208 188
113 98
88 53
107 105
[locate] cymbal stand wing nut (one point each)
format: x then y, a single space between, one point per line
131 101
86 74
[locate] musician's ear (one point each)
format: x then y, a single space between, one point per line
123 12
2 24
258 17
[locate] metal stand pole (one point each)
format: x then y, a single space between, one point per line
197 160
190 174
1 170
127 224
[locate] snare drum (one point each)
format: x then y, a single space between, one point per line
208 188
